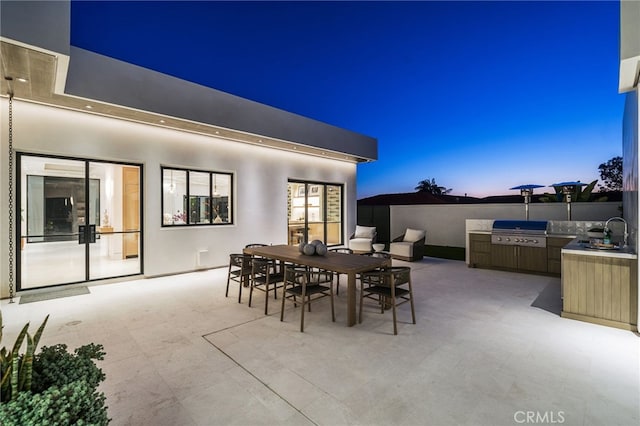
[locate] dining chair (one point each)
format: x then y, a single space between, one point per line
255 245
390 287
275 268
345 250
239 271
263 276
299 288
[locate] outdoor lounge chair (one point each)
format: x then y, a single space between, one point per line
363 238
409 246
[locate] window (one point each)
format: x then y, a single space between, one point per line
315 212
191 197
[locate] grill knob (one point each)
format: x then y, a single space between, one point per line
535 241
517 240
499 238
508 239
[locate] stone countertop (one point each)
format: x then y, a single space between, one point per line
579 246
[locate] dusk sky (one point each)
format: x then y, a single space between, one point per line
481 96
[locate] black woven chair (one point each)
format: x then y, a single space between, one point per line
340 250
264 277
389 287
239 271
301 287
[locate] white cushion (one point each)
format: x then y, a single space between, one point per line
365 232
360 244
413 235
401 249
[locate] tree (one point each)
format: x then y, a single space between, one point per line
432 187
611 174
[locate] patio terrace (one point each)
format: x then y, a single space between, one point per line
489 348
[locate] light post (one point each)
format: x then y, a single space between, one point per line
527 191
567 189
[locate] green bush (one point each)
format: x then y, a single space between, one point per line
54 366
74 403
54 387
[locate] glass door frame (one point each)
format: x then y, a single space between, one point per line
323 208
89 235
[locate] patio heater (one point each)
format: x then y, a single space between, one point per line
567 189
527 191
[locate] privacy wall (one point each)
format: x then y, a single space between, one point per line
445 223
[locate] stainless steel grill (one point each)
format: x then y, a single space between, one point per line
530 233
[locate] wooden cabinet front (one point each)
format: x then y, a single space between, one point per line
554 253
519 258
480 250
532 259
600 289
504 257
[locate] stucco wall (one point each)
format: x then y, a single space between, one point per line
630 132
445 223
260 176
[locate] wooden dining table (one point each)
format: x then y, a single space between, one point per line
341 263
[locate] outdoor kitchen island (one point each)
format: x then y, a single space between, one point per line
600 286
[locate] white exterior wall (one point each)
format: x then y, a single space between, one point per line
445 223
630 167
260 180
628 82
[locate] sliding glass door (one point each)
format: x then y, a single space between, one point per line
80 221
314 212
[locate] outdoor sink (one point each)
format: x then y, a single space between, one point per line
589 246
595 246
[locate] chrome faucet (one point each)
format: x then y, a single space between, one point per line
618 219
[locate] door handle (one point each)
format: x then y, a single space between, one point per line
86 234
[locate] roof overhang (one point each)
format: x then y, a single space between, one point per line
629 70
96 84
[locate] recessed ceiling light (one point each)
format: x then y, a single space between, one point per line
217 132
260 140
295 147
162 121
88 107
22 79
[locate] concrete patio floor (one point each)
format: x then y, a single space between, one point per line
489 348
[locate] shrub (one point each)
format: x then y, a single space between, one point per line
55 366
54 387
74 403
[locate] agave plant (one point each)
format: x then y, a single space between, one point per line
16 369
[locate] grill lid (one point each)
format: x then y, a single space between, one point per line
520 226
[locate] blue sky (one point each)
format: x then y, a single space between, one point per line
481 96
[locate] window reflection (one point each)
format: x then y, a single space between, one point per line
195 197
314 212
